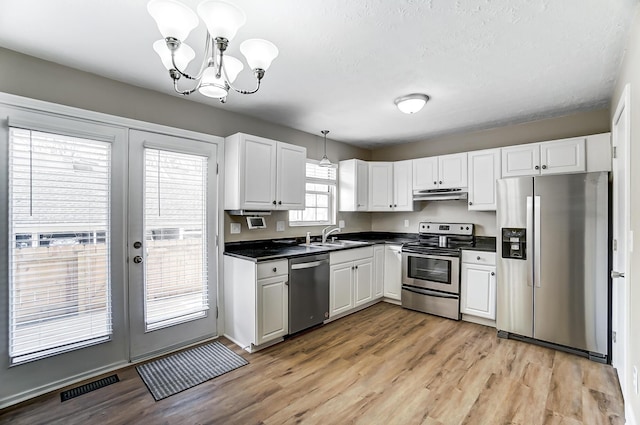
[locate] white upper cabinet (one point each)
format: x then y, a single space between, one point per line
381 186
263 174
452 171
291 173
521 160
403 186
484 170
553 157
563 156
440 172
354 185
425 173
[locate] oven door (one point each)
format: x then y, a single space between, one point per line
435 272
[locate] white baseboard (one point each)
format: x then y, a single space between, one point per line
628 414
53 386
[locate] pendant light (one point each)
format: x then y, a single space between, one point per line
324 162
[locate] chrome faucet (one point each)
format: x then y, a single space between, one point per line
325 234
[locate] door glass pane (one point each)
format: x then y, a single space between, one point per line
175 228
432 269
59 237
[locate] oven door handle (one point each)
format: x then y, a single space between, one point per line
429 293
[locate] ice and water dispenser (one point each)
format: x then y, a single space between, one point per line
514 243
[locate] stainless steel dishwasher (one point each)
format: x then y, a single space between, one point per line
308 291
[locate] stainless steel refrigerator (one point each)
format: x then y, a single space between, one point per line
552 260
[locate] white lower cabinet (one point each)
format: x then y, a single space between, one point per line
256 302
351 279
478 284
392 271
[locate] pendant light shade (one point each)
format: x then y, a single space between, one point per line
324 162
173 18
221 18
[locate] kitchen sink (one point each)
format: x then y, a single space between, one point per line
338 244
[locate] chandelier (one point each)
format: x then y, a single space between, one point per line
218 71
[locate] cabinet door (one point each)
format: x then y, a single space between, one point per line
378 269
392 272
272 308
380 186
403 186
478 290
341 288
362 185
363 281
563 156
425 173
259 163
484 170
291 171
452 171
521 160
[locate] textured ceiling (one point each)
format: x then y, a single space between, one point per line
342 63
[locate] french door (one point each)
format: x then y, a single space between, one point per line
172 261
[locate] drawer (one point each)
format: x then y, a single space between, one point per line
353 254
479 257
273 268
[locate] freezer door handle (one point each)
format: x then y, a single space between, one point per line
530 235
537 241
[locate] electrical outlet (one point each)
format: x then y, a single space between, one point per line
235 228
406 223
279 226
341 224
635 379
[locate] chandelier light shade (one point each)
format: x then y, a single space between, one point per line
411 103
324 162
217 72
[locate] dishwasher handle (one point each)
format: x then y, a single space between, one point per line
309 265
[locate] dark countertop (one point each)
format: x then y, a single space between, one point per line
276 249
483 243
267 250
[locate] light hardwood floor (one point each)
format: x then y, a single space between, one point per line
383 365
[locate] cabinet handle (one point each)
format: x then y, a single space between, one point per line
537 167
390 206
279 202
356 267
470 203
440 182
286 282
477 258
275 269
274 202
435 182
493 273
395 205
544 167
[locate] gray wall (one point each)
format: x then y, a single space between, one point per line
630 74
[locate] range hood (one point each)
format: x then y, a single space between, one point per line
440 194
253 213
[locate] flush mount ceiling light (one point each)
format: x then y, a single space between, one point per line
324 162
217 72
411 103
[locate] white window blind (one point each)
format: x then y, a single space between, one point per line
320 188
175 226
58 243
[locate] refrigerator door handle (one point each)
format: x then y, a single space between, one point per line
537 232
529 236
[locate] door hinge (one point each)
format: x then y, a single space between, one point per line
216 240
217 167
216 312
614 336
615 244
615 152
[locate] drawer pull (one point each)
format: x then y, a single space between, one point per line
477 258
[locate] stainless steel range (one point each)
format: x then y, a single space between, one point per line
431 268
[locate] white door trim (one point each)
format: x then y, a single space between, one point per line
622 144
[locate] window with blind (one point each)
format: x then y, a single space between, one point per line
320 188
175 228
59 240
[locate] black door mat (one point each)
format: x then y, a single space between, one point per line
87 388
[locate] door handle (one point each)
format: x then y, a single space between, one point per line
615 274
137 259
529 234
537 240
